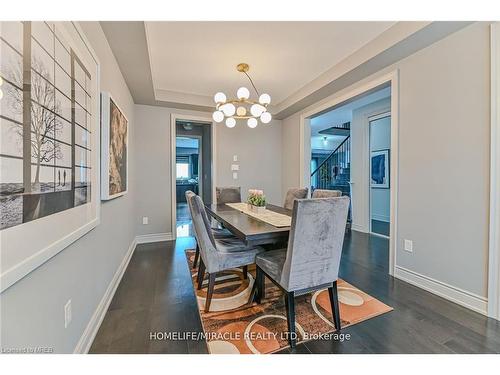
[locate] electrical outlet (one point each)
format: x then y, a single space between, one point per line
145 220
67 314
409 246
235 175
235 157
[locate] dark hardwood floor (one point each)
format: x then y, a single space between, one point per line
381 227
156 295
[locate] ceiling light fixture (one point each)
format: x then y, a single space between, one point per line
242 108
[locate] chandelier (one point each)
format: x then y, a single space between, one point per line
242 108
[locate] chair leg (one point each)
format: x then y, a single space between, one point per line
261 285
201 273
334 301
196 256
253 292
245 272
290 317
211 283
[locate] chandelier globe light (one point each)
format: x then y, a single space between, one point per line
242 108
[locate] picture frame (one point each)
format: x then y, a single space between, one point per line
114 149
59 197
380 169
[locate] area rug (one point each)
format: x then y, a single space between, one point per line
234 326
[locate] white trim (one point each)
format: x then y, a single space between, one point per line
154 237
20 270
173 133
106 99
494 238
462 297
358 228
304 155
87 338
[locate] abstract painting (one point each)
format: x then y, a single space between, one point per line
380 169
114 149
48 117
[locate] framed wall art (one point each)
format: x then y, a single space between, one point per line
380 169
114 149
49 151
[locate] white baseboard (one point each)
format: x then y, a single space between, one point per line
449 292
90 332
383 218
359 228
154 237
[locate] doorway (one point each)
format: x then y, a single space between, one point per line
192 170
358 153
379 127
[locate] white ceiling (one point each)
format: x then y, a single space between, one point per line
191 61
339 116
343 113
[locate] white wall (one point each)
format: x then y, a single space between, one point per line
360 172
32 310
444 159
259 157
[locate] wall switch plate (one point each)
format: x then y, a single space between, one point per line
235 167
235 157
67 314
235 175
409 246
145 220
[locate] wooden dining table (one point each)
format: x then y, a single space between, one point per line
247 228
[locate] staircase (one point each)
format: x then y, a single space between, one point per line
334 173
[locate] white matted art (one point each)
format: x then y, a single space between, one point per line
49 150
114 149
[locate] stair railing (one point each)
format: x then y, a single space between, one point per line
324 175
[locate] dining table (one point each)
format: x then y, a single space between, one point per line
247 228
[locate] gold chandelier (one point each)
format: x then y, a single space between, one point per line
242 108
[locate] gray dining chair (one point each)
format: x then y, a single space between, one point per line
312 259
293 194
231 194
322 193
217 254
219 233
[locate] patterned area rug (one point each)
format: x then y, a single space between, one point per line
234 326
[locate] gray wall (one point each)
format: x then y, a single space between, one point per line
380 139
32 310
444 158
259 157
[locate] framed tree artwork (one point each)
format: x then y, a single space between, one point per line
114 149
49 150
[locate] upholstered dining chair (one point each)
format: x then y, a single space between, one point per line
322 193
217 254
231 194
293 194
219 233
312 259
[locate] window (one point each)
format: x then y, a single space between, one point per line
182 170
